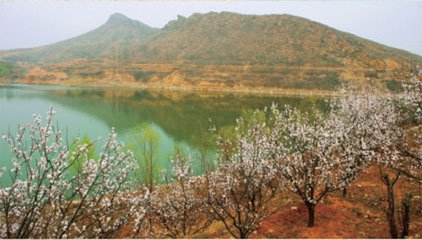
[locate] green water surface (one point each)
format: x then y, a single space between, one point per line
174 119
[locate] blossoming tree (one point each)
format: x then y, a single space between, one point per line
177 206
44 200
317 154
240 191
304 155
365 123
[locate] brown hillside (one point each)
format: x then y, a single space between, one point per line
229 38
220 51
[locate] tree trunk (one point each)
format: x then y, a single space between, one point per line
311 214
391 206
344 192
243 233
406 215
390 213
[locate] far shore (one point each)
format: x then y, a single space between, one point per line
262 91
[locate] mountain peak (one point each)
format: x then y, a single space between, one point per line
118 17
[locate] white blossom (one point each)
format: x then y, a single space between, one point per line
44 200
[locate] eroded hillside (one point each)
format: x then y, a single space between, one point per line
219 51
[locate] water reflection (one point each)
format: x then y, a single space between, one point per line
180 115
177 118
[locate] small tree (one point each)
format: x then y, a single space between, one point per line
145 147
398 166
177 207
239 192
365 123
402 166
304 155
44 200
403 157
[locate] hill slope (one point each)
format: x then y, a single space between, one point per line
109 40
220 50
228 38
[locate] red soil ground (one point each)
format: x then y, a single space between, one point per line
359 215
334 220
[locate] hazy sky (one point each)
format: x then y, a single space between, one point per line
35 23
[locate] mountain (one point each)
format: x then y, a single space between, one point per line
221 50
116 35
229 38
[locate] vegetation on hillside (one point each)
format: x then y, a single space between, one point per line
11 71
228 38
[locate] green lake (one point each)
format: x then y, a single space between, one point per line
176 119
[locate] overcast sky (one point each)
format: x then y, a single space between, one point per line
35 23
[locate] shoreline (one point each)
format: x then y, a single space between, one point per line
259 91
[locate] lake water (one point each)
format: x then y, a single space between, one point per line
175 119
